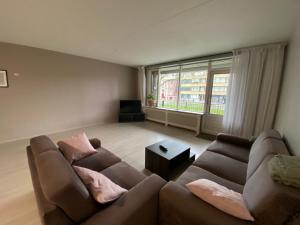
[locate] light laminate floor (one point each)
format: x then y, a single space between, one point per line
127 140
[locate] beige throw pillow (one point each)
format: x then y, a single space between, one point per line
101 187
222 198
76 147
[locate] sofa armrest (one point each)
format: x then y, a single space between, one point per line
139 206
234 140
178 206
95 142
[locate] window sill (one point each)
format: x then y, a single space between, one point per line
181 111
174 110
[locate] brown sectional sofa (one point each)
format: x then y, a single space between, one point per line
237 163
240 165
63 199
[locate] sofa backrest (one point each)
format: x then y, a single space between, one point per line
270 203
50 214
267 143
41 144
59 183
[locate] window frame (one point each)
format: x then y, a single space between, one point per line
211 75
208 88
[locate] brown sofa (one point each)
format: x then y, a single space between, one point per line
63 199
240 165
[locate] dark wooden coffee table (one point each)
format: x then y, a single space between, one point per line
164 163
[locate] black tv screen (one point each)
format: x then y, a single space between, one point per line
130 106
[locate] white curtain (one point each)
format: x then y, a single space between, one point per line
142 85
152 82
253 89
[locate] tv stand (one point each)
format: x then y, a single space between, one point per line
131 117
131 111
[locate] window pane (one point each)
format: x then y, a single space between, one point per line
168 88
193 87
219 93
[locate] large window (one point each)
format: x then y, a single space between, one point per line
192 87
195 87
168 88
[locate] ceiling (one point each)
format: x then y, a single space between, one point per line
143 32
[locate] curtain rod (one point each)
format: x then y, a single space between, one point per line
182 61
283 43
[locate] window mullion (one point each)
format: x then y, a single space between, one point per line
178 88
157 88
209 84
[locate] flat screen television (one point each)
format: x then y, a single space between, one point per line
130 106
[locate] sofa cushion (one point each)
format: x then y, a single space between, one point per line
124 175
270 203
223 166
268 146
268 134
231 150
194 173
235 140
42 144
271 133
98 161
62 187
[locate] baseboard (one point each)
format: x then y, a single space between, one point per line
50 132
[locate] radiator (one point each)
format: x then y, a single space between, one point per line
190 121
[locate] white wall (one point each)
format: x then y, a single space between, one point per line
288 116
56 91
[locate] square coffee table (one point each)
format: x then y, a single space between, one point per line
164 163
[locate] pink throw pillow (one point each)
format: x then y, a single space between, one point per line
101 187
226 200
76 147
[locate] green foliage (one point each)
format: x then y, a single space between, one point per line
150 97
191 107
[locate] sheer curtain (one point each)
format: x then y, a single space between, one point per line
253 89
142 85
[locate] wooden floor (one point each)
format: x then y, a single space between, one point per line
127 140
